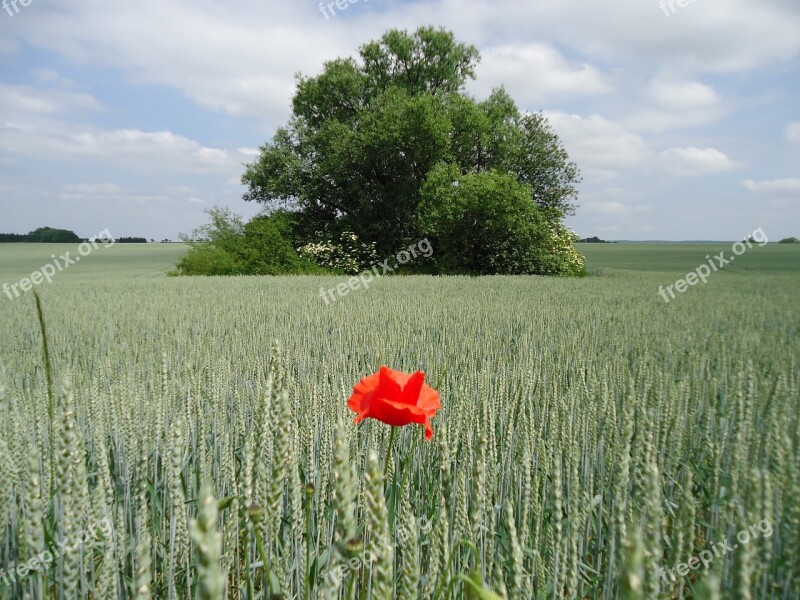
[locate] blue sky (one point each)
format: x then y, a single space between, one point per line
137 117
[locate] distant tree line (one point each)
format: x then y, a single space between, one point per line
49 235
13 237
594 240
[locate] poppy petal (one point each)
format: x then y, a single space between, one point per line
429 400
428 429
396 413
388 386
413 387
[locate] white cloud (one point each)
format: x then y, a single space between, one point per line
680 95
792 132
671 103
92 188
237 59
608 229
597 142
146 148
613 207
706 36
18 100
691 161
143 151
610 207
180 190
49 76
790 185
234 58
535 71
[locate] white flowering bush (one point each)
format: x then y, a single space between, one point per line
343 254
566 258
574 235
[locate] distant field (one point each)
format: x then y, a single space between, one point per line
117 261
155 260
680 258
590 433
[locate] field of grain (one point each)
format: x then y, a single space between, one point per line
593 440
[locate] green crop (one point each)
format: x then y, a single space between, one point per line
591 438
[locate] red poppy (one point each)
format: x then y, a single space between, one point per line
396 398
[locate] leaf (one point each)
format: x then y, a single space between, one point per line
225 503
476 589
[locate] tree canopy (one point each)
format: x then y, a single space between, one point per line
43 235
367 133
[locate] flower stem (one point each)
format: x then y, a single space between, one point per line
391 486
389 451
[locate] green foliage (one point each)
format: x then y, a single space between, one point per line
6 238
226 246
48 235
366 134
205 258
594 240
429 61
266 248
52 235
789 240
484 223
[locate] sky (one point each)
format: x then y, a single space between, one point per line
136 117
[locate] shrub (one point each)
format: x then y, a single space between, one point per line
205 258
485 223
267 248
263 246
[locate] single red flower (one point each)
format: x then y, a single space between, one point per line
396 398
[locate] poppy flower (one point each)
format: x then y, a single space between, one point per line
395 398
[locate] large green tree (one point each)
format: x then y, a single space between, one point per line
367 132
53 235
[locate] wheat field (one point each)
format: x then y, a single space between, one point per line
593 440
